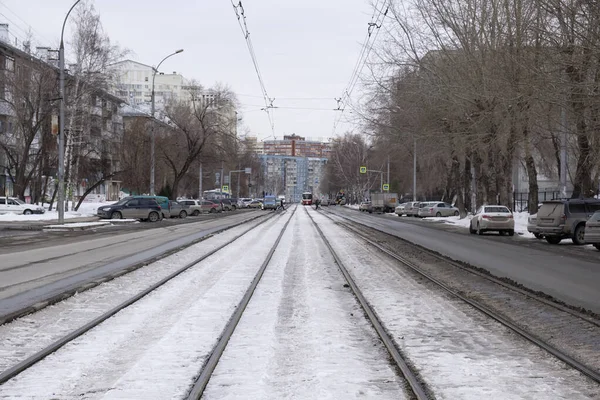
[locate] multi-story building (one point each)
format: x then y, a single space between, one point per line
293 165
297 146
92 135
133 84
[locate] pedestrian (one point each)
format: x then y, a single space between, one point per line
317 201
282 201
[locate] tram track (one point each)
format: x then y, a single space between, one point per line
78 287
33 359
587 370
419 390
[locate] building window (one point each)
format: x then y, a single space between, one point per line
146 80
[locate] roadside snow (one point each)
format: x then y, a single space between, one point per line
520 222
85 210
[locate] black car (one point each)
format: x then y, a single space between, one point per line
132 207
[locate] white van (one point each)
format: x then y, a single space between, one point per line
16 206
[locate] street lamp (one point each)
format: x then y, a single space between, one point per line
152 156
61 118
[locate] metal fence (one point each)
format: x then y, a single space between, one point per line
521 199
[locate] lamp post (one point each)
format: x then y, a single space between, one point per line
152 156
61 121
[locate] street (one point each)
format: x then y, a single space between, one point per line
302 334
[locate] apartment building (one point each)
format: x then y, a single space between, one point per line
28 165
133 84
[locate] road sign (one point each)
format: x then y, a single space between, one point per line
363 170
225 188
226 179
386 187
248 170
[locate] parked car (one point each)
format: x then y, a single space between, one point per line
412 209
228 205
400 210
135 207
365 206
592 230
18 206
438 210
212 207
561 219
255 204
493 218
421 212
245 202
177 209
532 226
194 206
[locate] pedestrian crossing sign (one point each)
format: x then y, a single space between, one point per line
225 188
363 170
386 186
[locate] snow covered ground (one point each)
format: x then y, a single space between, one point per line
459 352
302 336
85 210
151 350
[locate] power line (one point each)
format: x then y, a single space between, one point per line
373 26
241 17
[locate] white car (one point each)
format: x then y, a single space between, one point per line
17 206
493 218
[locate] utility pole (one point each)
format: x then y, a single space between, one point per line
61 122
152 135
388 170
414 168
200 182
563 152
221 188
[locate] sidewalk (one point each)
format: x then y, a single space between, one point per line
36 225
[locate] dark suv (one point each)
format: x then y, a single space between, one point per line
143 208
562 219
229 204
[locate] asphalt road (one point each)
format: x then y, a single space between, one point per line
38 267
567 272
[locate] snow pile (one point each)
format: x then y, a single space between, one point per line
85 210
521 219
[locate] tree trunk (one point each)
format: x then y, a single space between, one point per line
94 186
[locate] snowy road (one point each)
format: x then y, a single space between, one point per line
302 336
33 275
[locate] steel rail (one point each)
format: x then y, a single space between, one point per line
416 386
33 359
211 363
584 369
489 277
55 298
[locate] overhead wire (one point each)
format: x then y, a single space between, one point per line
373 26
36 34
241 17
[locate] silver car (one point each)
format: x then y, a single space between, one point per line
592 230
412 209
194 206
492 218
438 210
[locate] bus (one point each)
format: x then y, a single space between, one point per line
307 198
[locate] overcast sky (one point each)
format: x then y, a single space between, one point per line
305 49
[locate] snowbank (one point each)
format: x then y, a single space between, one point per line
85 210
